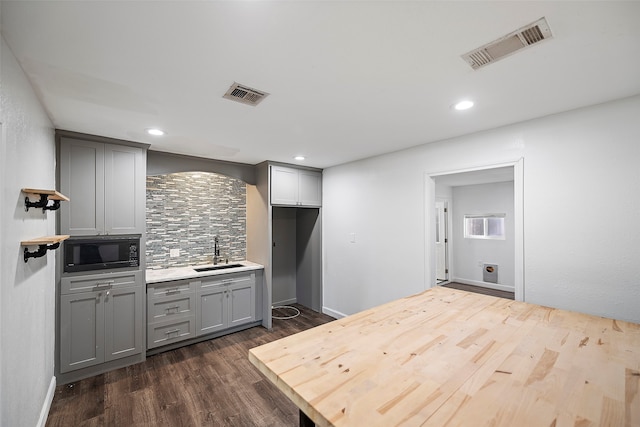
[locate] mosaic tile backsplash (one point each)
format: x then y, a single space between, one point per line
186 210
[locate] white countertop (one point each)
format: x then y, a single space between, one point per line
179 273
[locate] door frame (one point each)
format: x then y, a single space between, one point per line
518 201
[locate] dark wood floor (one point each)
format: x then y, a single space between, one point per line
480 290
207 384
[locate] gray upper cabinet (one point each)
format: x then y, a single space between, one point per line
106 185
295 187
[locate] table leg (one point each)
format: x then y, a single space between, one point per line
305 421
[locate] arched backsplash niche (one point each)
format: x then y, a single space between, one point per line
186 210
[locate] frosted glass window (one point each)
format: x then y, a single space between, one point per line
495 227
475 226
489 226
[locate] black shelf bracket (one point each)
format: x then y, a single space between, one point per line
42 251
42 203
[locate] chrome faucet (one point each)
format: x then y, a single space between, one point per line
216 250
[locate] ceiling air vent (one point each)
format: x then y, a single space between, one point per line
509 44
244 94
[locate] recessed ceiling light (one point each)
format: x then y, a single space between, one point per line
299 158
155 132
463 105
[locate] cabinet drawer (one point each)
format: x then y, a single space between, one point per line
97 282
172 307
168 289
160 334
226 279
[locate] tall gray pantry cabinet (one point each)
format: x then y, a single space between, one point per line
100 314
284 233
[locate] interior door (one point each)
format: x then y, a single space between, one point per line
442 268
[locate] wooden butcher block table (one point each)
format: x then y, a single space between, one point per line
452 358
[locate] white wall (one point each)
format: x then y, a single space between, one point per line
467 253
581 205
27 297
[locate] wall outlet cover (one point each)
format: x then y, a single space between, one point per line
174 253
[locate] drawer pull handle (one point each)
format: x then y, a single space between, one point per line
107 284
173 331
172 291
175 307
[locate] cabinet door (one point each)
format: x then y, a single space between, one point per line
81 330
82 180
211 309
310 188
242 304
284 186
123 322
124 189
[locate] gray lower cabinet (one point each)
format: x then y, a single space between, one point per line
225 301
170 312
212 308
184 309
101 324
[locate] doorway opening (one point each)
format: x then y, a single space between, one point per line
445 190
442 241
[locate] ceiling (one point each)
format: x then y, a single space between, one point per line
347 79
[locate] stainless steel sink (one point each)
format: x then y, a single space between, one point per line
217 267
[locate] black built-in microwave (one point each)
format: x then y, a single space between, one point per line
101 253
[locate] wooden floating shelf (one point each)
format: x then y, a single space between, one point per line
47 240
44 197
51 194
44 244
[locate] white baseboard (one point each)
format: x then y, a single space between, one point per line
483 284
285 302
333 313
46 405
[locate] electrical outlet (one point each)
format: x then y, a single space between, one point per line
174 253
352 237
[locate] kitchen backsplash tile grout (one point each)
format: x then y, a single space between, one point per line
186 210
